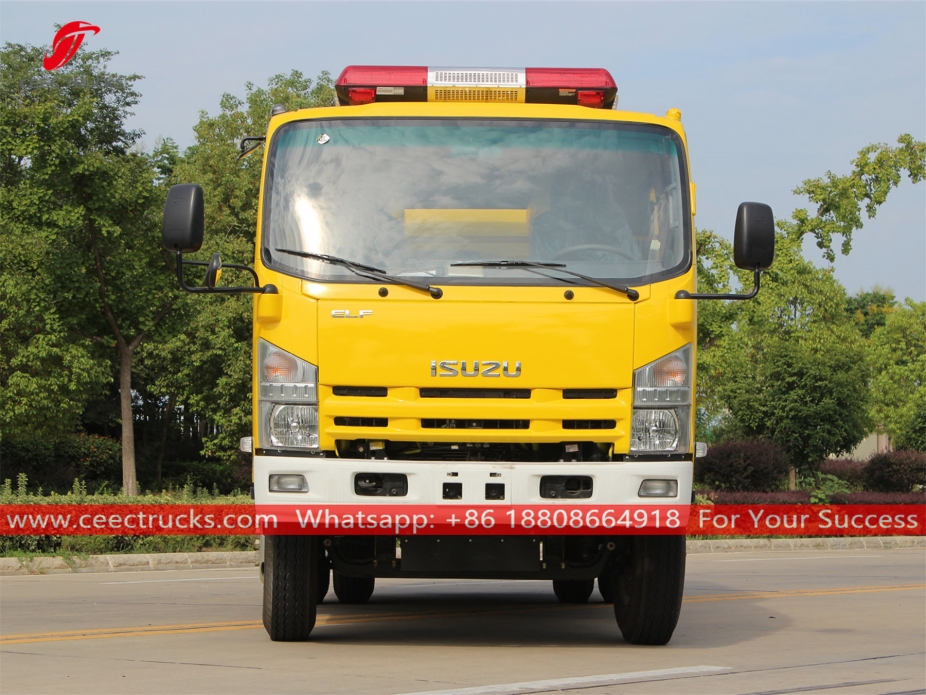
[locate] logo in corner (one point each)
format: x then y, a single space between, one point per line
66 43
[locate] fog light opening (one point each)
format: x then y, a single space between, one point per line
288 483
658 488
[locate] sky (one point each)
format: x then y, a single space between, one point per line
772 93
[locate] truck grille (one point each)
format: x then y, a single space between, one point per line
366 391
589 424
447 424
474 393
361 421
603 394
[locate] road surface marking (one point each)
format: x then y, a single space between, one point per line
745 596
559 684
351 618
815 557
252 577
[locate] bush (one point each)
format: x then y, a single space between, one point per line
803 497
206 474
743 465
850 470
911 432
880 498
895 471
746 497
54 464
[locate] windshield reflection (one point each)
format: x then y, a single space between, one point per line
415 197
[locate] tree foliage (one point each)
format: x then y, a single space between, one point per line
80 214
876 170
898 385
207 367
791 365
869 310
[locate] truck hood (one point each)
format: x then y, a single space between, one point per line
402 340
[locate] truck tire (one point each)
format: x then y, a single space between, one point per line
648 589
324 577
290 586
573 590
353 590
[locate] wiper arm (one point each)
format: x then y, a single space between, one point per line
366 271
537 267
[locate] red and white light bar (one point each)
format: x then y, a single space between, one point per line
365 84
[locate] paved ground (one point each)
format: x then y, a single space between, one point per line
760 623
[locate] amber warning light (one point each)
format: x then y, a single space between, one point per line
365 84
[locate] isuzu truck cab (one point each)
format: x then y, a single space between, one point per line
474 339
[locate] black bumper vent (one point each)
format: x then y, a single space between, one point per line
361 421
474 393
589 424
446 424
365 391
591 394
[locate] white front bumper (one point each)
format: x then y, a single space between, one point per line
331 481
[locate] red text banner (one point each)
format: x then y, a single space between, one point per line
396 519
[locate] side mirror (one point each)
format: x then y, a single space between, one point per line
754 237
214 271
184 219
753 247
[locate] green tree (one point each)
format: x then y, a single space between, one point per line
78 190
869 310
876 170
791 364
207 367
792 368
898 384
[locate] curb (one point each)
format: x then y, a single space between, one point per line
817 543
12 566
128 563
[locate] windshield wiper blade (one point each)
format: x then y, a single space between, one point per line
366 271
536 267
334 260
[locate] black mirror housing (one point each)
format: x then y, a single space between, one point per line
754 237
184 219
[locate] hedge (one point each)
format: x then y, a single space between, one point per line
803 497
753 464
895 471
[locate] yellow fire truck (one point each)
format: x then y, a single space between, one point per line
474 338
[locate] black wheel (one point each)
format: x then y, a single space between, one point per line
573 590
648 588
290 585
353 589
324 577
606 585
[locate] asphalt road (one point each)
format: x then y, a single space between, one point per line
758 623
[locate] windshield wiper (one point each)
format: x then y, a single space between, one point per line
536 267
366 271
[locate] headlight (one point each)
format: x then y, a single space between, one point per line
662 404
294 426
654 430
288 397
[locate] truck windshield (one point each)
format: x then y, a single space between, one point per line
415 197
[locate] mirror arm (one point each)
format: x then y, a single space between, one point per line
685 294
266 289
